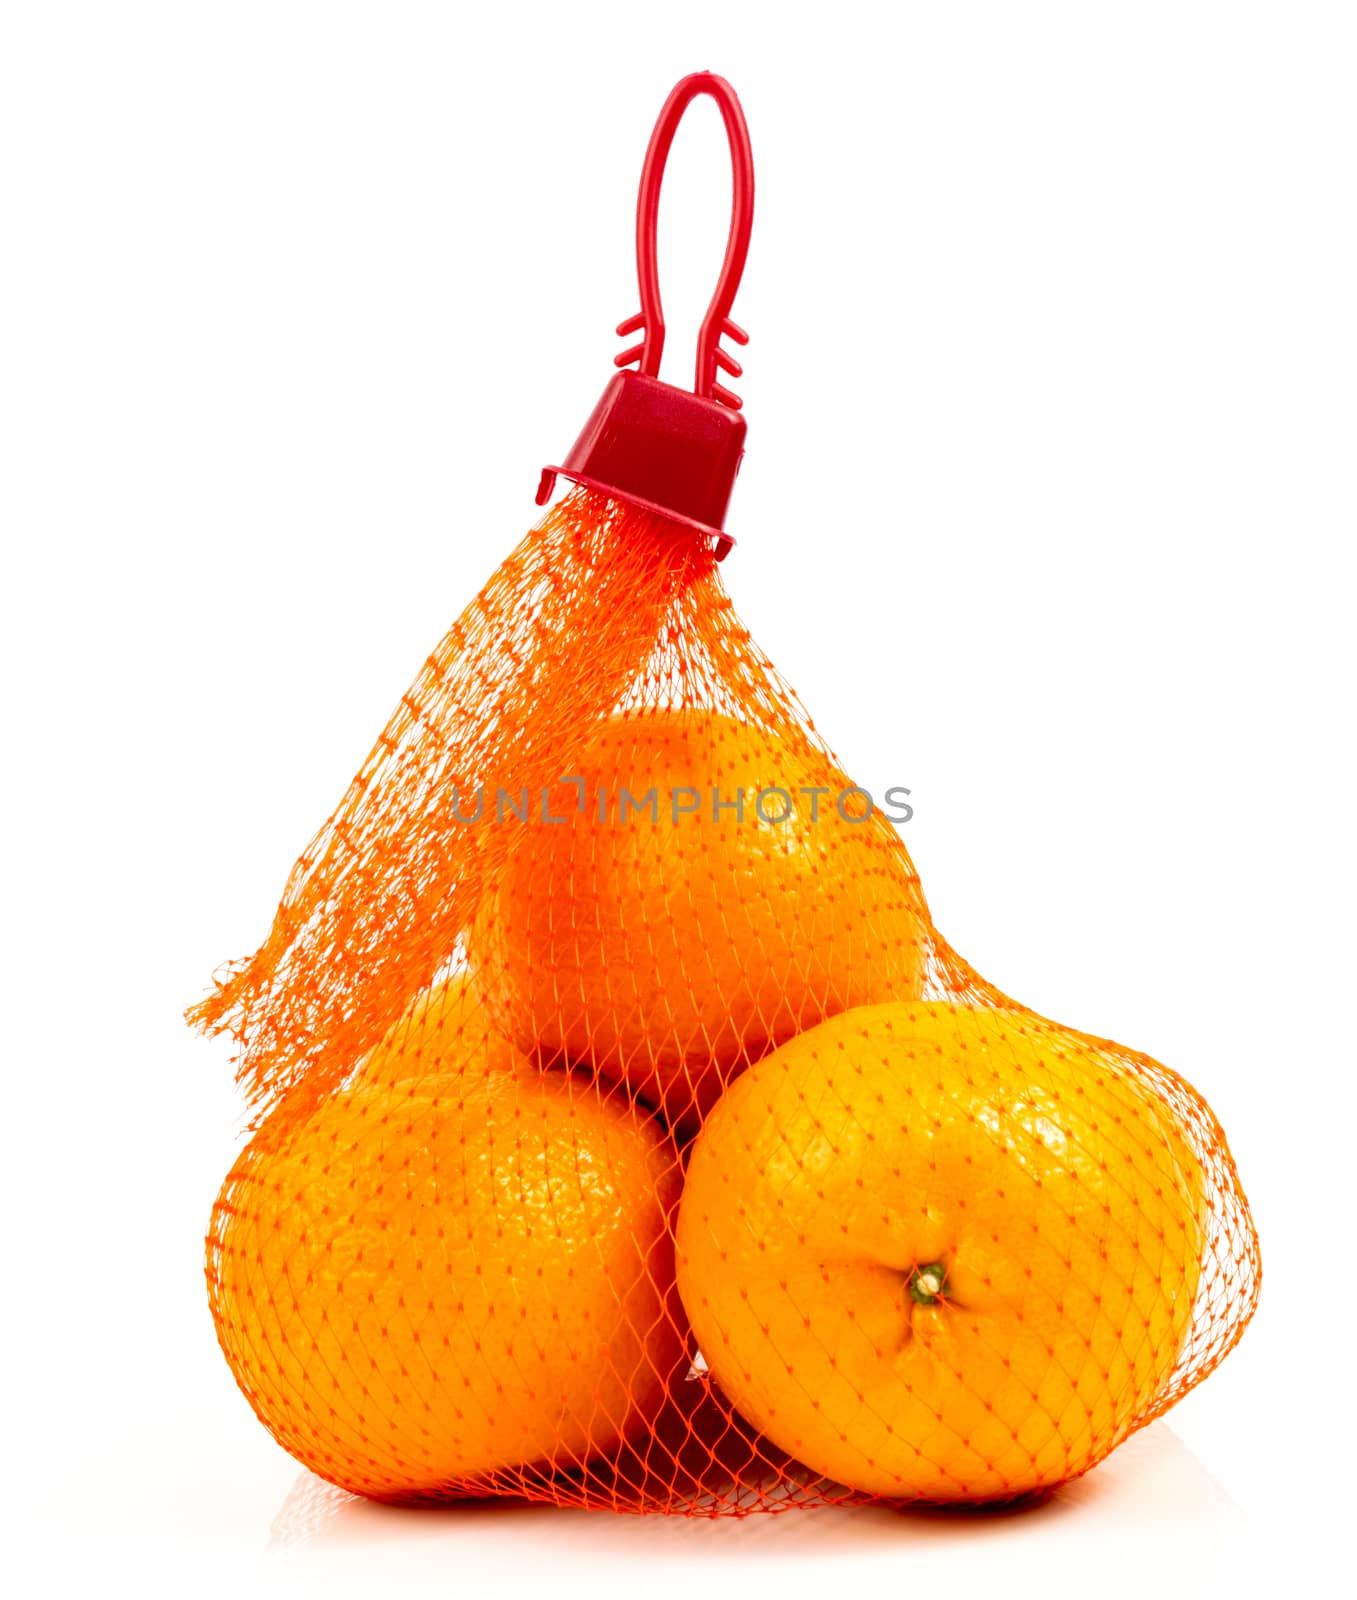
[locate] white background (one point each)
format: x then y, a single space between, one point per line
1048 512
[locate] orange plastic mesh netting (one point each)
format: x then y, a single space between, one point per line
627 1136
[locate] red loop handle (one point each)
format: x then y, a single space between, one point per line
710 354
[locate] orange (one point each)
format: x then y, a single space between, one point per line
435 1281
444 1029
941 1253
671 944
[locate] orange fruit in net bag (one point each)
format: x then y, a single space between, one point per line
667 932
941 1253
444 1029
451 1270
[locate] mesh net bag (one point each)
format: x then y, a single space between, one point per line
626 1135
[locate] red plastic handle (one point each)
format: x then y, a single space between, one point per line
717 321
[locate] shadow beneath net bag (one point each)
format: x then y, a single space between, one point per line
1153 1485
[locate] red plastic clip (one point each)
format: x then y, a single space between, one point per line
674 450
717 321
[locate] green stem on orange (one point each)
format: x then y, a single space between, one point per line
927 1283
